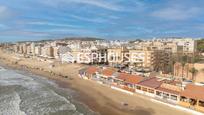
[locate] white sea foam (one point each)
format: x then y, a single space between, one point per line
2 69
31 96
10 104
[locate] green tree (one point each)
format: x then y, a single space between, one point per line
183 63
193 71
200 45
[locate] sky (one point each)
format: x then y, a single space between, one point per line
109 19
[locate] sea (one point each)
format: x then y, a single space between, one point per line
22 93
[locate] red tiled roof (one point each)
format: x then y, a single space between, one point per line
193 91
108 71
134 79
92 70
151 83
168 90
171 82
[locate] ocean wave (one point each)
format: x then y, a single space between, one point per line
30 96
10 102
2 69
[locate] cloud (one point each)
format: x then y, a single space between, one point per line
44 23
99 3
108 5
22 33
176 13
95 20
4 12
199 27
69 30
2 25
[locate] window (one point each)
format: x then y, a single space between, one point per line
138 87
201 103
174 97
158 93
165 95
151 91
144 89
184 99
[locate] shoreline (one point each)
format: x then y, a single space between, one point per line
64 83
98 98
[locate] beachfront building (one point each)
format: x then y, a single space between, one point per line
148 87
37 50
24 48
28 50
65 54
47 51
56 52
169 91
106 75
89 73
20 48
32 48
149 59
193 97
116 55
16 48
126 81
58 48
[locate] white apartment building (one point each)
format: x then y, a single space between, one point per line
178 45
32 46
37 50
158 60
188 45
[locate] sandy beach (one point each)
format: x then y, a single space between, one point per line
97 97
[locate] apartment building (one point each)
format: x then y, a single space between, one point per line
47 51
28 49
184 45
100 55
37 50
157 60
117 55
32 46
188 45
23 48
56 52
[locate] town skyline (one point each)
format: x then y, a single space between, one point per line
21 21
106 57
168 71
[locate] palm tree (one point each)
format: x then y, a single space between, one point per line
202 70
183 65
172 66
193 71
135 64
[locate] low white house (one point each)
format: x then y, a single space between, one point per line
66 55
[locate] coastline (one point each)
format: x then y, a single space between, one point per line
97 97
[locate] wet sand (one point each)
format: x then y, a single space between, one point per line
97 97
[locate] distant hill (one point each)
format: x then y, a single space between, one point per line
65 39
137 40
81 38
